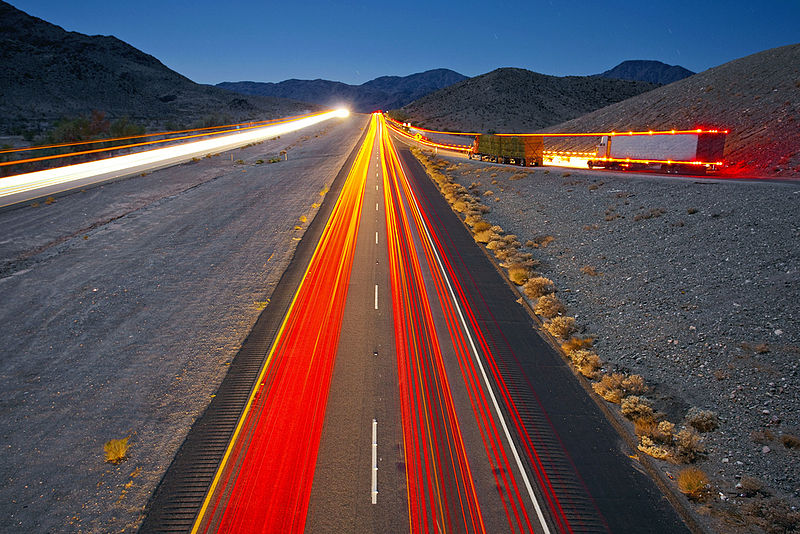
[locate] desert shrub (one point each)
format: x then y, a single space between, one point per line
561 327
636 407
790 441
586 362
693 483
481 226
634 385
702 420
549 306
659 432
540 241
610 387
496 244
518 274
538 286
649 447
460 206
591 271
116 450
689 445
484 236
577 343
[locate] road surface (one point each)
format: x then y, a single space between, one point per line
403 389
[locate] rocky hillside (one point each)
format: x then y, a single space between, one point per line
517 100
48 73
386 92
756 97
643 70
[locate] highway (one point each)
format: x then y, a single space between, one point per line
405 390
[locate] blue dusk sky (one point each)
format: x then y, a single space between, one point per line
353 42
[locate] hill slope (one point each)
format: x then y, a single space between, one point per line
517 100
756 97
49 73
386 92
647 71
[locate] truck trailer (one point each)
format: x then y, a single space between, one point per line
691 152
513 150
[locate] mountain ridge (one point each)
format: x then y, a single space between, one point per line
49 73
384 92
516 100
647 70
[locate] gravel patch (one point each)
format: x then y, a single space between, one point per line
123 306
691 283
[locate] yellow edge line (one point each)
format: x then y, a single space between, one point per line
223 463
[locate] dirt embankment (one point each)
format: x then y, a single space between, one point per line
123 306
692 284
756 97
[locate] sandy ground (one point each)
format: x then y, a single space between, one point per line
122 306
693 284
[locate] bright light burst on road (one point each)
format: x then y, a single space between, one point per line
115 167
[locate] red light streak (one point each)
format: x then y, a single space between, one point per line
265 478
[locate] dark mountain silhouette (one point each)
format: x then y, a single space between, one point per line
48 73
516 100
386 92
644 70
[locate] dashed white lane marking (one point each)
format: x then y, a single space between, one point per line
374 461
376 238
376 206
376 296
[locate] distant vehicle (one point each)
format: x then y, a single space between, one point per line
685 152
510 149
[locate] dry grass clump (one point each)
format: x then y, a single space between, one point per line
561 327
693 483
481 226
702 420
659 432
653 213
635 407
540 241
617 386
586 362
484 236
689 445
116 450
577 343
538 286
790 441
591 271
519 274
518 176
549 306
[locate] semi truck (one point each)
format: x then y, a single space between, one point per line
510 149
686 152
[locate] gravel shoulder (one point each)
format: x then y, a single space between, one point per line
123 305
692 283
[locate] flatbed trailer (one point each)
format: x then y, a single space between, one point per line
513 150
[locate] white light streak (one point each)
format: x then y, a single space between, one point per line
118 166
